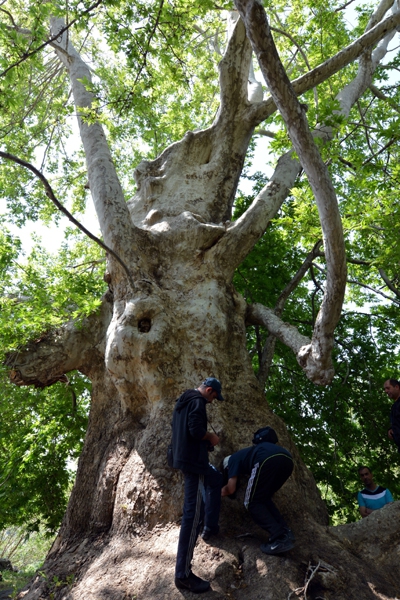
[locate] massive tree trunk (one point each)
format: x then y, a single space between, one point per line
171 318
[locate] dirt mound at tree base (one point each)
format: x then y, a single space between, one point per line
333 563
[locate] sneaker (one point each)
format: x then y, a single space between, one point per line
281 544
286 531
192 584
289 533
207 533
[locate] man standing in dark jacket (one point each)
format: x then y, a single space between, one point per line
392 388
191 443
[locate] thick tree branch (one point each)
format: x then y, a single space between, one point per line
389 284
257 314
332 65
211 160
368 63
245 232
115 223
47 360
379 13
301 52
269 346
316 358
234 70
251 222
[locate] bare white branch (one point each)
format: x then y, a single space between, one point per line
257 314
105 187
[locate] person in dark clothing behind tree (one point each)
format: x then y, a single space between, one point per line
269 466
392 388
191 443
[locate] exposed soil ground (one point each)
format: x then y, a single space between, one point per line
351 562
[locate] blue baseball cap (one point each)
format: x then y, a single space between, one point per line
215 384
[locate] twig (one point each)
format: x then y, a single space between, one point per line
50 194
310 574
313 572
50 40
343 6
368 287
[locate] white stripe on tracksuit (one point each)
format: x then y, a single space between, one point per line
250 484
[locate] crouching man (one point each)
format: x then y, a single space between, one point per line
269 466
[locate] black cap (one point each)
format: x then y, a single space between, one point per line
265 434
215 384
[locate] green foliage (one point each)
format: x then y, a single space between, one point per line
269 267
26 551
43 291
151 62
42 431
344 425
41 436
16 581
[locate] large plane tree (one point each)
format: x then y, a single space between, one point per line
140 80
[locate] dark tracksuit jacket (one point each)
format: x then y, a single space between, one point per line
189 426
395 422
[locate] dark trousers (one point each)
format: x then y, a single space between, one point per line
202 496
271 475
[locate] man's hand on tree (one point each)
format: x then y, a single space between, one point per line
230 487
364 511
212 438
